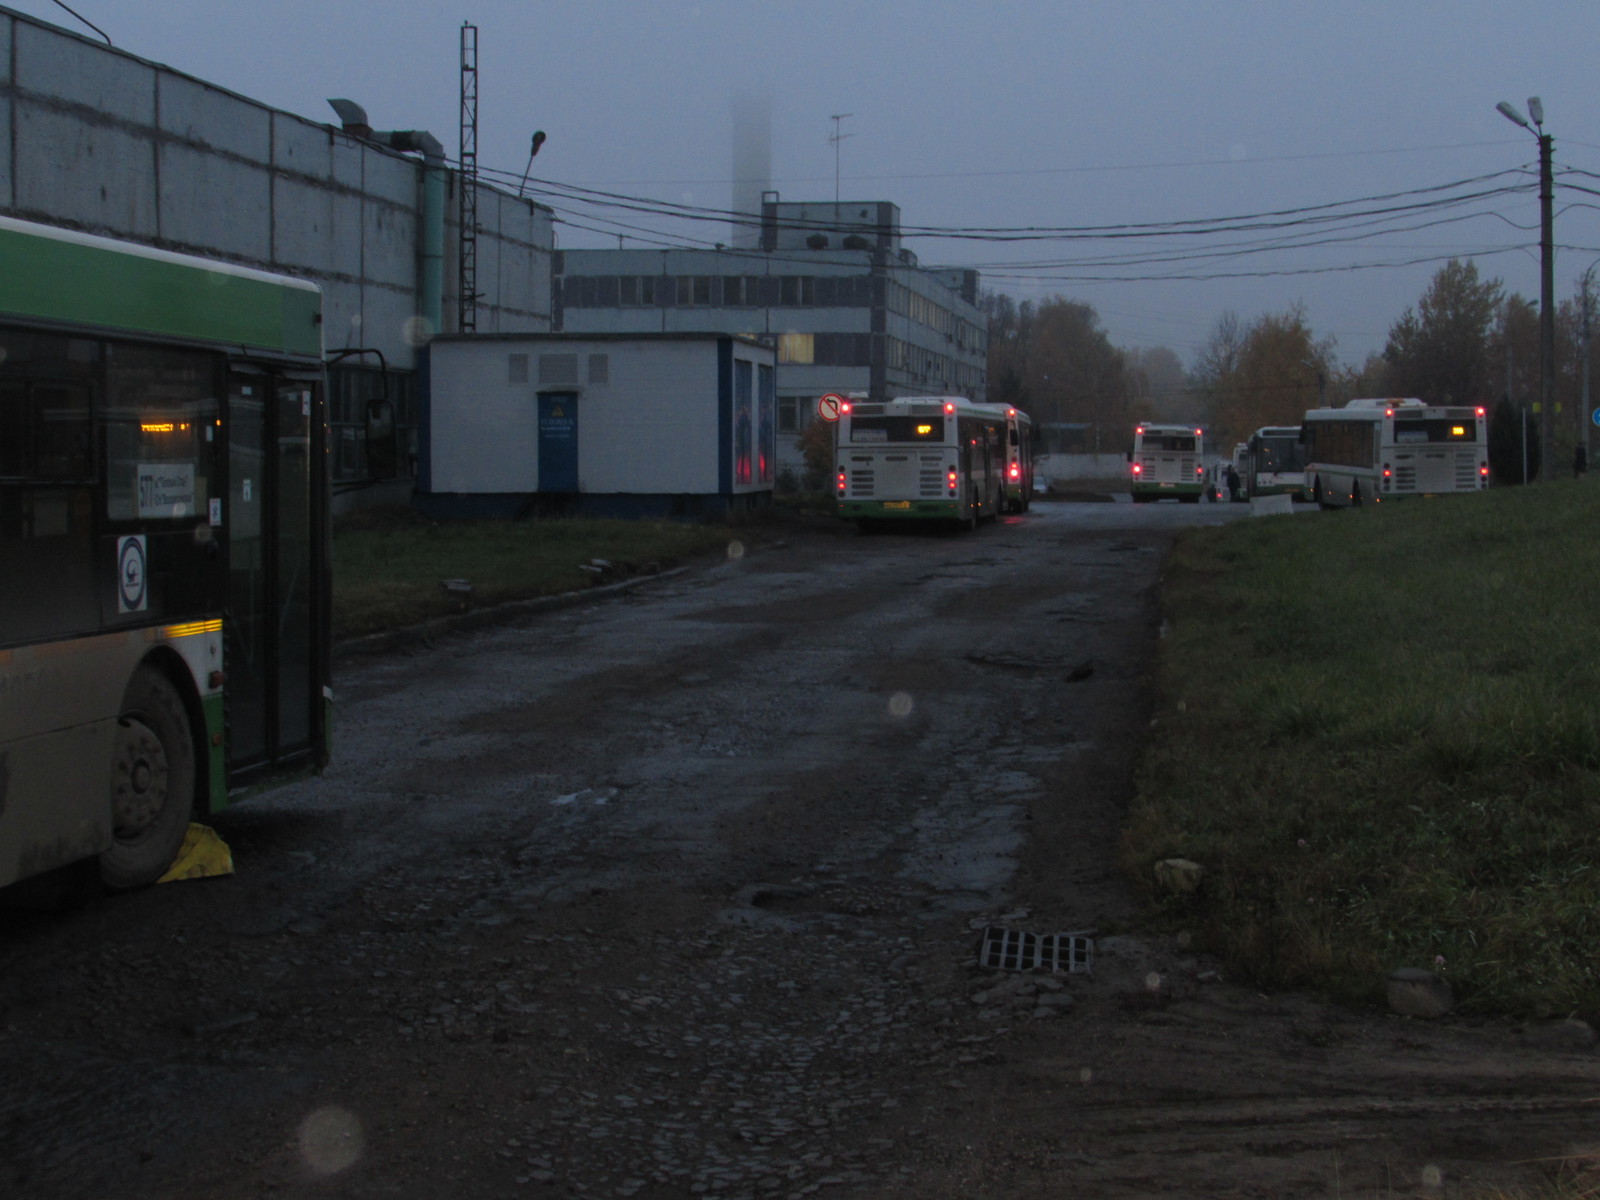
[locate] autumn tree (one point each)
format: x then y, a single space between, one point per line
1055 361
1268 373
1440 352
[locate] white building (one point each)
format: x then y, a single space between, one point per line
664 425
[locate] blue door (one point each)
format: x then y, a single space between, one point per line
558 442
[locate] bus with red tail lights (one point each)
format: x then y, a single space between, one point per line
1167 461
1375 450
1020 439
938 458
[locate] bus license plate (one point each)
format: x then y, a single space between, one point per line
897 504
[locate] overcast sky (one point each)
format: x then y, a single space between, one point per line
1005 115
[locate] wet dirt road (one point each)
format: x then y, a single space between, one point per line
680 893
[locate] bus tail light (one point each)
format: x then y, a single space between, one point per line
950 478
841 481
1483 470
1016 471
1199 472
1138 468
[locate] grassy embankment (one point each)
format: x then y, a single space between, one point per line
389 565
1379 733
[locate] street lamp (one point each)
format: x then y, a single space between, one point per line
1547 290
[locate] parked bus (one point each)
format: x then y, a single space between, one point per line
164 546
929 457
1167 460
1375 450
1020 443
1274 463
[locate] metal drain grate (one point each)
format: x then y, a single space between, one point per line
1016 950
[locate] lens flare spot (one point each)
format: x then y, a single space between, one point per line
331 1140
417 331
1085 1075
901 704
736 549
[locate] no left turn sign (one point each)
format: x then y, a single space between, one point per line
829 406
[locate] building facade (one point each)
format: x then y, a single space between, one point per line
846 306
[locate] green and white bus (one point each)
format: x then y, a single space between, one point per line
1275 463
1167 460
931 458
164 546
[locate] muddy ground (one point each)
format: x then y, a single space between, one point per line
685 892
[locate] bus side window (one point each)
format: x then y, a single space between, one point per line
46 541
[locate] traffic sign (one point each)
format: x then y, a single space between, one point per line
829 406
1595 416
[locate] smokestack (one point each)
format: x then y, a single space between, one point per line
752 166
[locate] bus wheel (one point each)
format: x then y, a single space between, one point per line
152 782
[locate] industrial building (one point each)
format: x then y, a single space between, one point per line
96 139
830 285
407 246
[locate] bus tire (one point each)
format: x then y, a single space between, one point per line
152 782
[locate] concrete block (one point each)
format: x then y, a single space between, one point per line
215 119
96 175
62 71
218 205
1266 506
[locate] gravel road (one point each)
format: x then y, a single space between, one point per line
684 891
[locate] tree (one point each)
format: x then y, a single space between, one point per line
1267 374
1441 352
1158 390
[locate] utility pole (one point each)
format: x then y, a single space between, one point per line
1547 310
1587 304
1547 286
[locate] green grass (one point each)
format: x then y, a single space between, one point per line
1379 732
389 565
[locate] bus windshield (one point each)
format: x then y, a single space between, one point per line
1280 454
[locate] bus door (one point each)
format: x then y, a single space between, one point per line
272 614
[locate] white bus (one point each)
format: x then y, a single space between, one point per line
1167 460
1375 450
1274 463
1020 445
921 457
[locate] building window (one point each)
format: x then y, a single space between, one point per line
733 291
792 411
797 348
628 291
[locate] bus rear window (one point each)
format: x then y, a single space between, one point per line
1434 429
897 429
1181 445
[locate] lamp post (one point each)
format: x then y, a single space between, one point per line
1547 264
